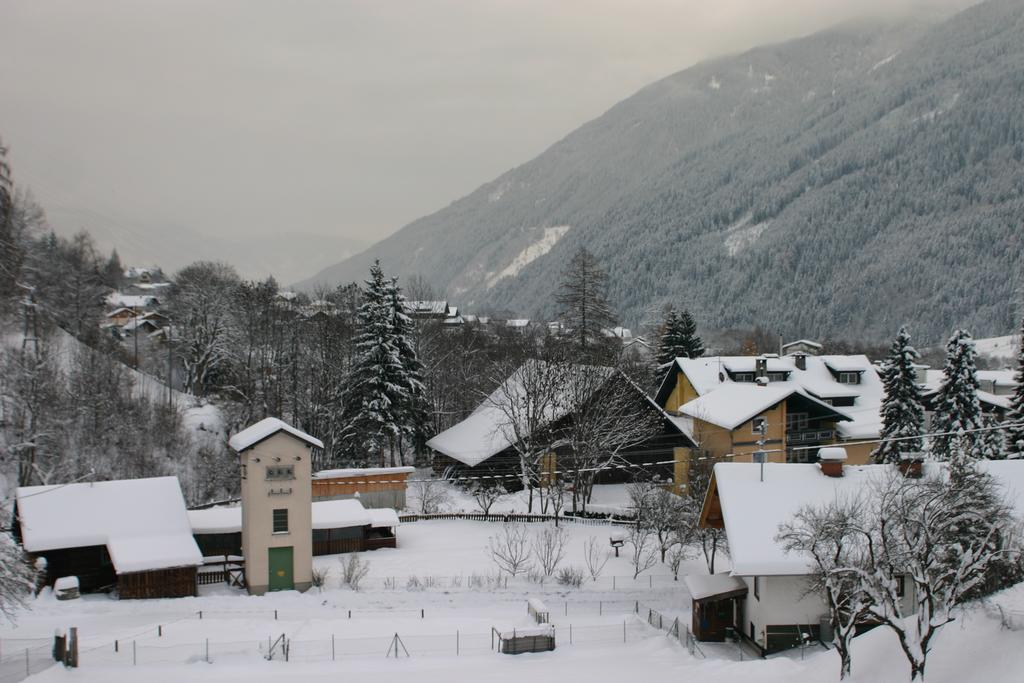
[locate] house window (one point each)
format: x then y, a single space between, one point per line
849 378
757 589
796 421
281 521
759 425
280 472
901 586
743 377
778 376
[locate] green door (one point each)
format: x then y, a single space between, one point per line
281 576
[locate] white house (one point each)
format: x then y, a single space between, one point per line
772 606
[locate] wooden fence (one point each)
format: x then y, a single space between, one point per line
516 517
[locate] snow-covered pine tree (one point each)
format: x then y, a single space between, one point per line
902 412
376 389
1014 430
957 409
679 337
411 413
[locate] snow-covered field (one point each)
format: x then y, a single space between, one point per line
447 630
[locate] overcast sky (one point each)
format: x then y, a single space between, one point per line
238 119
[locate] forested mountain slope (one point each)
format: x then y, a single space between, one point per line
836 185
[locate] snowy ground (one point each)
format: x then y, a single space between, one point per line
447 629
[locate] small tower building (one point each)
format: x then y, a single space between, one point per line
277 524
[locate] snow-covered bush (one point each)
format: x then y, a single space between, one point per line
319 577
353 570
571 576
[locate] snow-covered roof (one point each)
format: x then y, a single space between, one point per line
517 322
753 509
132 300
486 432
264 429
349 472
216 520
427 307
710 374
704 586
733 404
804 342
382 517
339 514
142 522
327 514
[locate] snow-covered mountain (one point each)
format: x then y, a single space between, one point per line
798 186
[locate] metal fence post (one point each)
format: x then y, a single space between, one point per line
28 668
207 650
134 657
456 643
332 647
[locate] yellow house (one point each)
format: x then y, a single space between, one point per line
801 401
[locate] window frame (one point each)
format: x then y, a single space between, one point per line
275 519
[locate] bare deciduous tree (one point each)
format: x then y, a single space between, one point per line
510 549
430 495
595 555
548 547
486 493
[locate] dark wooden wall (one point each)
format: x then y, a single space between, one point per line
179 582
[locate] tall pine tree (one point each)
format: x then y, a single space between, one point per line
902 412
957 409
412 412
584 301
679 338
376 390
1014 429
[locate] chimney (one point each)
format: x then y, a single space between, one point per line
831 461
801 360
761 367
910 465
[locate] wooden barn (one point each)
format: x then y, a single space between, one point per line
481 445
132 535
375 487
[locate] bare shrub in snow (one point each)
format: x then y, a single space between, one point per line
486 493
413 583
596 557
680 551
548 548
319 577
510 549
571 576
644 553
353 570
430 495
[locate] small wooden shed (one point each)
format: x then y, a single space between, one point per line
131 534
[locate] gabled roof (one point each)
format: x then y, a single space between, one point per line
266 428
752 509
326 514
816 380
142 522
735 403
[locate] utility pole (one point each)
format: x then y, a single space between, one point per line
761 426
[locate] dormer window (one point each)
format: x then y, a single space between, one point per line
848 377
743 377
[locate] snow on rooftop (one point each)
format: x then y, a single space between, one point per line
338 514
142 522
216 520
265 428
708 375
132 300
487 431
735 403
703 586
382 518
349 472
753 509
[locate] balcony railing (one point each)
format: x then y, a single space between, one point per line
811 436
